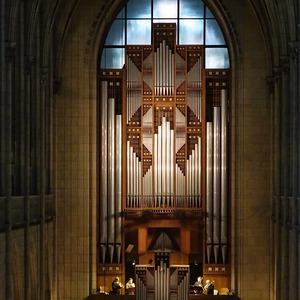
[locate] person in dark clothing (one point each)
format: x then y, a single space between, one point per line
116 286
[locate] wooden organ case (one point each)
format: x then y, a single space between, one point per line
163 169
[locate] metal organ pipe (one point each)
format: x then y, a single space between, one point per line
128 178
111 177
164 160
216 183
164 70
134 173
172 162
224 198
209 189
164 143
147 185
103 182
199 172
155 170
168 163
194 176
118 177
159 165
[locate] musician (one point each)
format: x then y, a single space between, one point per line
199 281
130 287
198 285
116 286
209 287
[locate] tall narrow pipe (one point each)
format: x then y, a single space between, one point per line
224 199
163 68
200 170
195 175
168 163
118 168
128 178
155 159
160 90
103 181
172 167
209 189
159 165
163 161
216 182
111 177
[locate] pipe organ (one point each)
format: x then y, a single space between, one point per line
163 151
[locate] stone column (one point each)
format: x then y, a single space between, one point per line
42 181
274 83
10 57
2 95
284 179
27 112
294 158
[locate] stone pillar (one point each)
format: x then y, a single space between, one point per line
27 112
2 95
294 157
275 89
10 57
42 181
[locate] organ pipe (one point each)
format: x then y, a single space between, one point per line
118 177
164 70
111 177
134 175
162 284
172 145
103 182
209 188
216 182
224 199
163 161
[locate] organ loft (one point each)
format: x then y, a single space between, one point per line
163 166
